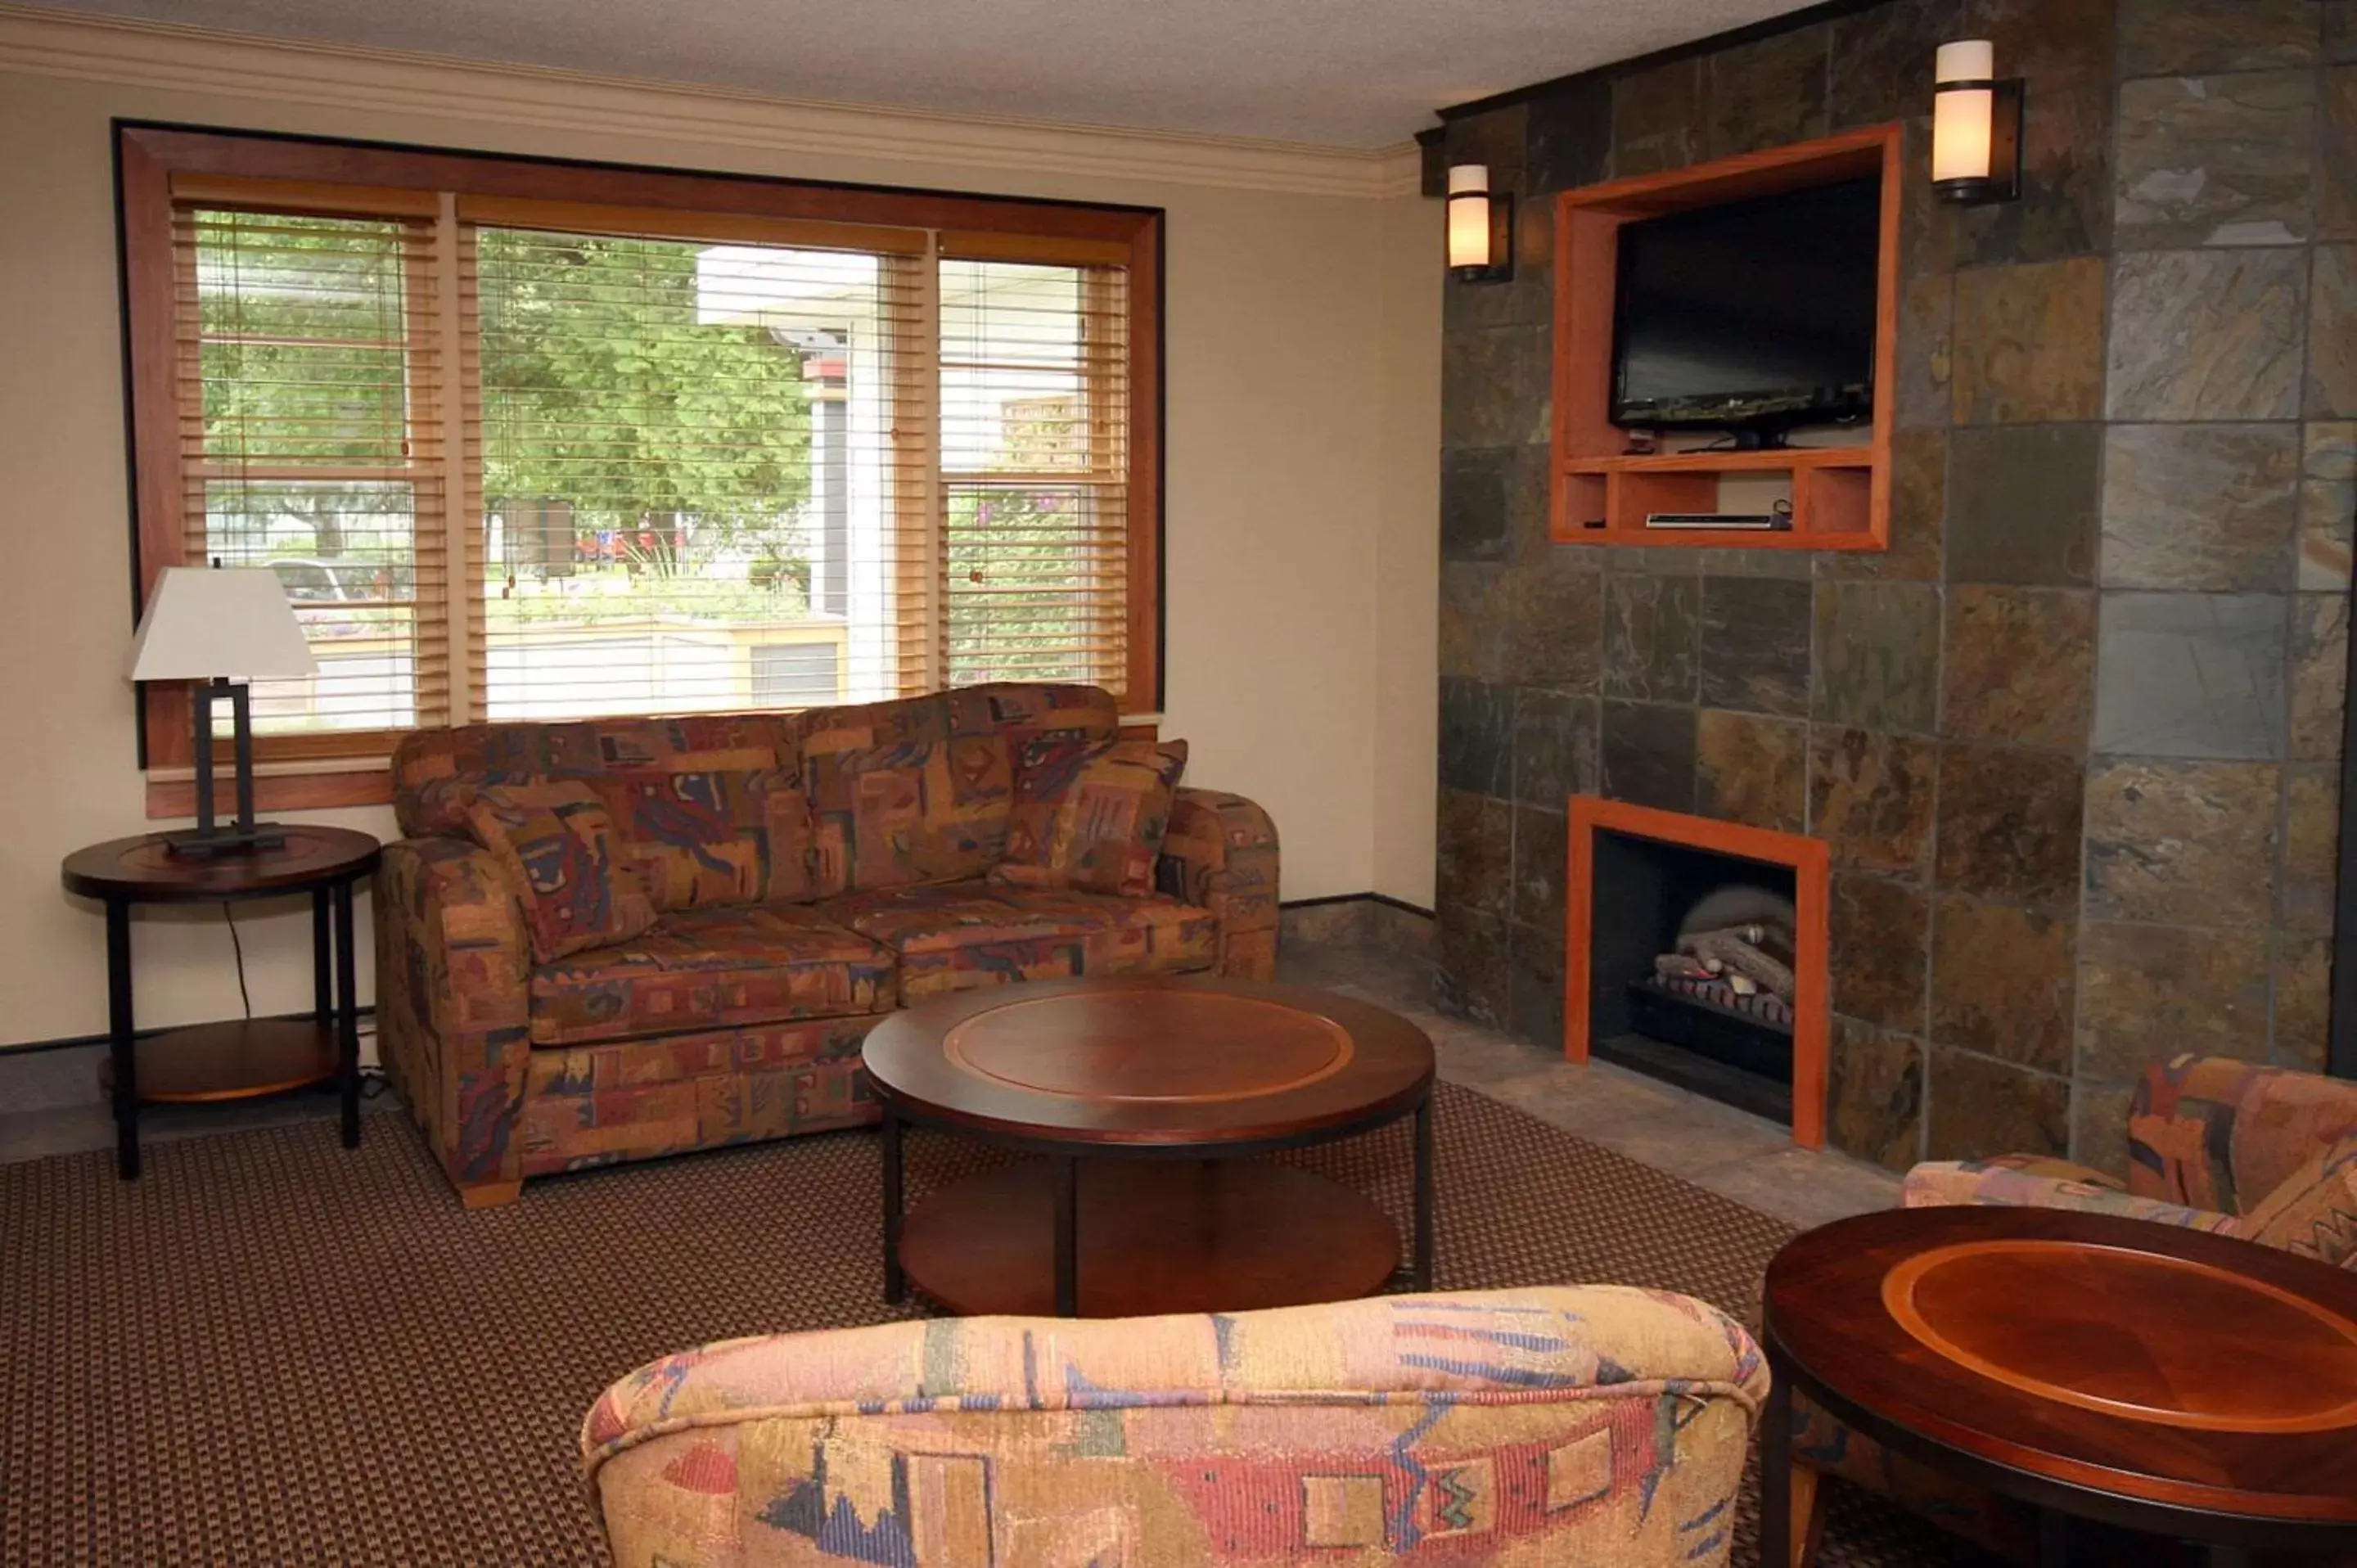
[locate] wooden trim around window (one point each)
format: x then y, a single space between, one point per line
154 160
175 799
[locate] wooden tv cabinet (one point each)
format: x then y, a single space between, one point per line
1599 492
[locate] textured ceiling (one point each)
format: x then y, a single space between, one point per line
1352 73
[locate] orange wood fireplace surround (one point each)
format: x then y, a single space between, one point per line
1809 863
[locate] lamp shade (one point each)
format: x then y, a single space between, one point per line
215 623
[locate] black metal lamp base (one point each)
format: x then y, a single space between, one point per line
197 844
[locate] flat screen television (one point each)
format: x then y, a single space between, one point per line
1752 317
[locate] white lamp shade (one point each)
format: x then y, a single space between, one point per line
1468 215
216 623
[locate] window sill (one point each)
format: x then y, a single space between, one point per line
175 798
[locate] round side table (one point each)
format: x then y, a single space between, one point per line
240 1059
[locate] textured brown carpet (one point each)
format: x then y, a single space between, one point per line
273 1351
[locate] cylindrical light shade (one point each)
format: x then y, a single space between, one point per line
205 624
1963 118
1468 215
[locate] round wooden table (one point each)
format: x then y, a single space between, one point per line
1145 1092
2153 1379
244 1057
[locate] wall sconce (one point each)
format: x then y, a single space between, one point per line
1480 226
1975 126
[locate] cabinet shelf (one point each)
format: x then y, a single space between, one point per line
1601 493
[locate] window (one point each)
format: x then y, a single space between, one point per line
532 440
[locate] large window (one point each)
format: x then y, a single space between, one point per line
531 440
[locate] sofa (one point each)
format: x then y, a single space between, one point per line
2264 1154
1596 1425
739 1014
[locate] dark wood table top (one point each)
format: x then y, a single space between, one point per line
1172 1061
144 868
2114 1356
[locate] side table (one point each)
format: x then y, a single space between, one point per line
242 1059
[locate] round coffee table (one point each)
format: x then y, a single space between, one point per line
1144 1092
2154 1379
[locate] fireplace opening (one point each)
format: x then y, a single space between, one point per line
1693 967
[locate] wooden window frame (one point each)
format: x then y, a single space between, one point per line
158 163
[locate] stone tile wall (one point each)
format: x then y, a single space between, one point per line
2074 738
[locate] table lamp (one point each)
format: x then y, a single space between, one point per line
222 628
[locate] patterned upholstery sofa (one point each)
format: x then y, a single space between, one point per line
731 1020
1596 1425
2264 1154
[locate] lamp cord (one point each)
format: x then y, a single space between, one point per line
229 913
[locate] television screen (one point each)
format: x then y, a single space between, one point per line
1752 315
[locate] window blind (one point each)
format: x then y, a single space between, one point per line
1035 416
311 445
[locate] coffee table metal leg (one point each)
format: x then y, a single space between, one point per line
1067 1236
123 1049
1420 1278
896 1285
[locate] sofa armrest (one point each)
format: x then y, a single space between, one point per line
2022 1183
2220 1133
453 967
1221 853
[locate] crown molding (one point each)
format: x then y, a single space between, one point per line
177 58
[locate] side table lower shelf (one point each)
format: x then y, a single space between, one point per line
240 1059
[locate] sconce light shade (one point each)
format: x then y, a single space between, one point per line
1480 226
1975 126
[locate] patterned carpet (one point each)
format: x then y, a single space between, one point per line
270 1351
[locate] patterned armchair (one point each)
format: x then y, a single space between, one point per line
1596 1425
2264 1154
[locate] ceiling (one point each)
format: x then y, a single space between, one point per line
1347 73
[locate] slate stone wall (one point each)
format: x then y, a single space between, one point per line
2074 738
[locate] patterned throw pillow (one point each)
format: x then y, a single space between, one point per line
558 842
718 837
2315 1212
927 810
1091 814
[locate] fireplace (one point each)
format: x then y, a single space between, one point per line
1696 952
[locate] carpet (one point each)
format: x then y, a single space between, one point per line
271 1349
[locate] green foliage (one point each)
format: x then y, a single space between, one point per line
602 388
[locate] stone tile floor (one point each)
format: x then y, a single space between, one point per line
1716 1147
48 1103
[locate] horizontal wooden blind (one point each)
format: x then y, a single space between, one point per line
309 369
1035 418
703 469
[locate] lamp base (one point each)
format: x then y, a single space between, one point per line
197 843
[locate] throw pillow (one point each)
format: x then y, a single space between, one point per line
712 837
1091 814
927 810
2314 1212
558 842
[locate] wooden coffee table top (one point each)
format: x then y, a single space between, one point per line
2114 1355
1173 1059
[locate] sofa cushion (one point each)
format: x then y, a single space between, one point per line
710 969
906 811
962 936
1091 814
712 837
557 842
433 771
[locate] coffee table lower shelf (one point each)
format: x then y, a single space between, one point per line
1152 1236
239 1059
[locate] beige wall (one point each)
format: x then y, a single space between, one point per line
1303 351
